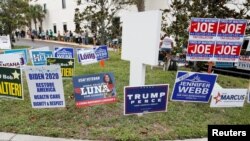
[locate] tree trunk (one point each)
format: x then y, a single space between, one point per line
35 26
41 24
140 5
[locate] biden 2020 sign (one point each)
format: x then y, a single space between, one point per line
145 99
193 86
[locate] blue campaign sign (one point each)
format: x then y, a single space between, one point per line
24 51
193 86
40 57
224 65
94 89
102 53
64 52
145 99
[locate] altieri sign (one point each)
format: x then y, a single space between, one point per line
215 39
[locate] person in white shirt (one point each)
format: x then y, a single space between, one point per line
166 44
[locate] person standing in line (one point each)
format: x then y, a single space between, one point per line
86 37
47 35
71 36
166 46
83 37
68 36
50 34
94 38
58 35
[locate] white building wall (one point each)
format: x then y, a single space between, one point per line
58 16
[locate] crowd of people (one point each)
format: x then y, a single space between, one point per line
66 36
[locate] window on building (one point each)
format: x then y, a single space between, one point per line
54 28
44 6
65 27
63 4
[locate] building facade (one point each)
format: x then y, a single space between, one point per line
60 13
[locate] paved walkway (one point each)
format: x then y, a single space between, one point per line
61 42
19 137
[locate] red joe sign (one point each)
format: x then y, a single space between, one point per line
212 39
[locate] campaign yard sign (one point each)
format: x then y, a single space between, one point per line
64 52
94 89
5 42
14 51
45 86
86 56
200 50
11 83
231 30
227 51
11 60
228 98
212 39
145 99
244 63
67 65
204 29
39 57
193 86
101 53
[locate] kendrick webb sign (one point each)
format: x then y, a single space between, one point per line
64 52
45 86
39 57
14 51
67 65
212 39
94 89
193 86
101 53
11 60
228 98
11 83
145 99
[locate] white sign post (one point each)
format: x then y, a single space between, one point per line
140 43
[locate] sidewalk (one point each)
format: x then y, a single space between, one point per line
19 137
62 42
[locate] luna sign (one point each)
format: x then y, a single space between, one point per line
193 87
94 89
145 99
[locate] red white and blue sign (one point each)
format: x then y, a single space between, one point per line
64 52
201 50
193 86
102 53
227 36
145 99
227 51
94 89
203 28
231 29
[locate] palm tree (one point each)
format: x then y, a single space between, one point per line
40 14
36 13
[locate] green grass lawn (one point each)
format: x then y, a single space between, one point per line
106 122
